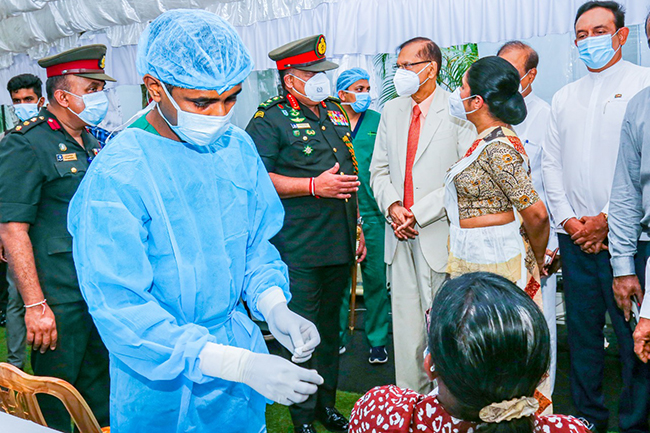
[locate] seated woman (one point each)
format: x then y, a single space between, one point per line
489 349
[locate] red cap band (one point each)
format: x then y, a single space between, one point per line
303 59
87 66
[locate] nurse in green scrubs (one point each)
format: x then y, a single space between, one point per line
353 87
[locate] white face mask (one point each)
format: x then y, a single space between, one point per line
456 107
522 89
197 129
408 82
317 88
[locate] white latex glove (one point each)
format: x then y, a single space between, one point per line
272 376
294 332
279 380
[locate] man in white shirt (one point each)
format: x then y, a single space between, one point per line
532 132
417 141
578 166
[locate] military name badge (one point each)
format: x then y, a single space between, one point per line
337 118
300 125
258 114
66 157
308 150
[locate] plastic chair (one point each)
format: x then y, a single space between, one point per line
18 397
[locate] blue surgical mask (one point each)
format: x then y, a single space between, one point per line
597 51
96 107
362 103
197 129
25 111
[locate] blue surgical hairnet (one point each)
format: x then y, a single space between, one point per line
193 49
349 77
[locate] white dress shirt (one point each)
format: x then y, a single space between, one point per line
583 138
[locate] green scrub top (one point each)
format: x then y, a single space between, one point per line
363 141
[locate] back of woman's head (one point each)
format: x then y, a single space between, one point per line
497 82
489 343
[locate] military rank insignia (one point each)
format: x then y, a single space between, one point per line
258 114
337 118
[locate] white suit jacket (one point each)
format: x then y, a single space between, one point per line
444 139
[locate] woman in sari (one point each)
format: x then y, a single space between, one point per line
497 221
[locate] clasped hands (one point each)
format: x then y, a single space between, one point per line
402 221
588 232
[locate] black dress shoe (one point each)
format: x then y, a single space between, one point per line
305 428
332 420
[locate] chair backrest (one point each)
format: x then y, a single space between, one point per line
18 397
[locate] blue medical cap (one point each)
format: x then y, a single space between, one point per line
193 49
349 77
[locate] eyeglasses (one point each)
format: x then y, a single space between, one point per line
409 65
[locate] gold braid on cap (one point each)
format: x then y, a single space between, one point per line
509 409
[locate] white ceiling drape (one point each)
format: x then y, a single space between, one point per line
31 29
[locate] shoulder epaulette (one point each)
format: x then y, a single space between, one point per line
270 102
26 125
334 99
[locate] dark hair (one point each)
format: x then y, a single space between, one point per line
617 9
489 342
497 82
59 82
283 73
647 22
25 81
430 50
531 61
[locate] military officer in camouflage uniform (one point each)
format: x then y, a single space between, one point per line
304 140
42 162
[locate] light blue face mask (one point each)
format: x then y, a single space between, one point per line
25 111
362 103
194 128
597 51
96 107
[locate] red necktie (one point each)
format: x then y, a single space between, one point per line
411 150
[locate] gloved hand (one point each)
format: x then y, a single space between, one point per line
294 332
273 377
279 380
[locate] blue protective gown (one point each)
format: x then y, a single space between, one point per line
168 239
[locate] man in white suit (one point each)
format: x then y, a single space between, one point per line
417 142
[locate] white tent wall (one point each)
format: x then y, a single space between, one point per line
355 30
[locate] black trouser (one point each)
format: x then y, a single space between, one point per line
81 359
316 295
588 295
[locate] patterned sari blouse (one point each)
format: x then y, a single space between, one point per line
497 181
390 409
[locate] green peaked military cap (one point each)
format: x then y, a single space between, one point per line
87 61
306 54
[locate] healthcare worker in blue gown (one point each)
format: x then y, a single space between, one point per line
171 229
